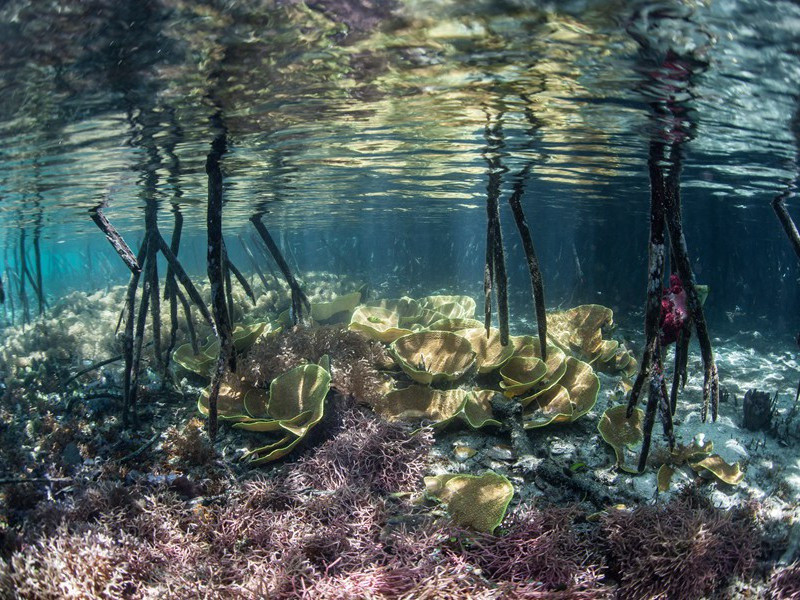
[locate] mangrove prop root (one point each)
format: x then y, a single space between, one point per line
37 261
495 255
216 276
226 273
510 414
656 255
115 239
174 247
23 271
684 268
665 412
127 336
141 321
141 449
654 400
254 264
300 302
183 278
173 332
488 277
151 275
535 272
187 311
787 223
170 289
681 363
94 367
241 279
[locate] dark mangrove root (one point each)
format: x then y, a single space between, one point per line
495 255
23 270
679 374
114 238
537 286
254 264
226 274
37 261
174 247
128 397
151 277
187 311
216 276
656 255
183 278
94 367
656 398
488 276
681 363
300 303
789 227
683 266
141 321
170 291
240 278
510 414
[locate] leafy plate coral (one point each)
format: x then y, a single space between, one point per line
475 501
433 356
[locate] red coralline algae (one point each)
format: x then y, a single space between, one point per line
673 310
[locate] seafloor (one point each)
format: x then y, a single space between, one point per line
93 509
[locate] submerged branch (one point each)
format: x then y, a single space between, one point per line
114 238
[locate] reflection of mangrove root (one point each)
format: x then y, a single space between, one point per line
300 303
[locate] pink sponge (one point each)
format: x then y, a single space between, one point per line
673 310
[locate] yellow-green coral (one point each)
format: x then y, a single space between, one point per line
421 403
377 323
296 404
433 356
520 374
476 501
620 432
491 354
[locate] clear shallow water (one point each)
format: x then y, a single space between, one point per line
361 129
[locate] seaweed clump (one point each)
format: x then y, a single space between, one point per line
366 452
541 550
784 583
685 549
188 445
354 359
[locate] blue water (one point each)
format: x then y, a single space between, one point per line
361 131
